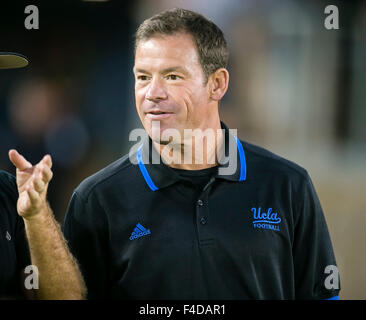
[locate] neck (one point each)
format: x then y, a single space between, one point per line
198 150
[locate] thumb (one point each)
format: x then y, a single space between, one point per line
18 160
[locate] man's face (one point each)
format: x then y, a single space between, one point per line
169 84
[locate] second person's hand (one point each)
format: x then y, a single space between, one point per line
32 182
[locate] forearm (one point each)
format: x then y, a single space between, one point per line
59 274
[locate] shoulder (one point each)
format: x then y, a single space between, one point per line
284 178
113 177
263 163
89 200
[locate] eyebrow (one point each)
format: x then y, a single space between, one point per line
165 71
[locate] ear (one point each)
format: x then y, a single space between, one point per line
218 84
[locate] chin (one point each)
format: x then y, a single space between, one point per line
161 142
161 137
164 133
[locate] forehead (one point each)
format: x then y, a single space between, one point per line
163 50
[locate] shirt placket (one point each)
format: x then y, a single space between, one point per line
203 215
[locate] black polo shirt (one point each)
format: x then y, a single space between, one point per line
14 252
142 231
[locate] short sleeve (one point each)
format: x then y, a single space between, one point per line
316 272
84 229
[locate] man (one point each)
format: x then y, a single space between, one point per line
14 255
26 216
246 226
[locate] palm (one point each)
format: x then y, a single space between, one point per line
32 182
24 180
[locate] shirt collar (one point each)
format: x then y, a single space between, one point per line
158 175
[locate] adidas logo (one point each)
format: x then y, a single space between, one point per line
139 231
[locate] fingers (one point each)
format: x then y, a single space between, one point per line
18 160
28 201
32 183
47 160
46 174
43 169
38 184
33 196
41 177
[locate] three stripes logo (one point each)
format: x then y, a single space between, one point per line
139 231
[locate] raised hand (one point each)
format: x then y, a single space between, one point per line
47 245
32 182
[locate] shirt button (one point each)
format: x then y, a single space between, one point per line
200 203
203 221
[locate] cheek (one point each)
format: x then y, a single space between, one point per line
185 98
139 99
196 101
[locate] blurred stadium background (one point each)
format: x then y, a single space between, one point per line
295 88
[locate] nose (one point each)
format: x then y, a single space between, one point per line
156 91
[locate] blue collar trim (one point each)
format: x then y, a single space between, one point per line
243 164
144 172
153 187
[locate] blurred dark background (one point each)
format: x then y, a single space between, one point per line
296 88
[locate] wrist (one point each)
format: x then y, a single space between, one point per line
39 214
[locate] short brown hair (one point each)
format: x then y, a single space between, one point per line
210 41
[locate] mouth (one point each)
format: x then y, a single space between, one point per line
158 114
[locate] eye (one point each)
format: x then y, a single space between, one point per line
142 78
173 77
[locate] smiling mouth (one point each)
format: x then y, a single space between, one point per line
157 112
